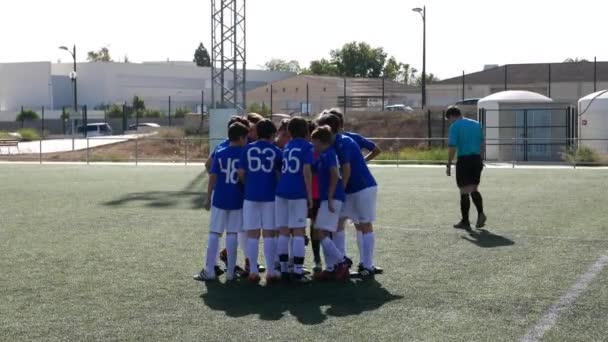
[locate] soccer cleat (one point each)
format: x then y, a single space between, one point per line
348 261
463 225
261 269
299 278
240 273
324 276
342 272
366 274
224 256
218 270
305 271
253 278
481 221
377 270
204 276
318 268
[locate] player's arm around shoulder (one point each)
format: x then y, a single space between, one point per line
243 166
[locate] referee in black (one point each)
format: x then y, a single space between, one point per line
466 138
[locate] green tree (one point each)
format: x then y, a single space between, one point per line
430 78
102 55
262 109
201 56
359 59
181 112
276 64
27 115
322 67
139 107
576 60
115 111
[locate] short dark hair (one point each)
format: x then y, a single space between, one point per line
312 125
337 112
237 131
298 128
323 134
453 111
235 119
254 118
330 120
265 129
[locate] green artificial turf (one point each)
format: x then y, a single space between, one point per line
108 253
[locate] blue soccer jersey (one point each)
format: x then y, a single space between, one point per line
219 146
261 161
296 154
349 152
466 136
228 191
328 160
363 143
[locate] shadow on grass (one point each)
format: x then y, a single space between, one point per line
306 302
486 239
168 199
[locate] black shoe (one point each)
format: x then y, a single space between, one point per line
463 225
261 269
377 270
348 262
218 270
240 273
204 276
305 271
481 221
366 274
299 278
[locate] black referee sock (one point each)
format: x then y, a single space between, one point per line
465 205
478 201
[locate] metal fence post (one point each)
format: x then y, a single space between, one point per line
87 151
136 151
513 149
398 152
41 134
429 133
186 152
383 93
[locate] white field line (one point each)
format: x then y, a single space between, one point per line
550 317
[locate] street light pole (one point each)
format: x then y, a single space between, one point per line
422 12
73 77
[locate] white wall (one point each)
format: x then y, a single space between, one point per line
25 84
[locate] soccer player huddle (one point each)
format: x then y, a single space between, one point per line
266 183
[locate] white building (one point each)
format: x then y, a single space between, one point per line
38 84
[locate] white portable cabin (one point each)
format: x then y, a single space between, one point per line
525 126
593 121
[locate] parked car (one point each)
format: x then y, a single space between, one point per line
399 108
467 102
96 129
145 126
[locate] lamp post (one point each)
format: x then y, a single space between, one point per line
74 82
422 12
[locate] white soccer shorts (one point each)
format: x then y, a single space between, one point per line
326 220
290 213
360 207
258 215
229 221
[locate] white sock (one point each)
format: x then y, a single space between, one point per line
253 246
282 250
331 253
270 252
340 241
231 250
368 250
243 242
213 245
360 244
299 252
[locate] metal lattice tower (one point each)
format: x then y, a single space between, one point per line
228 57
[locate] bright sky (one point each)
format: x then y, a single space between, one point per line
461 34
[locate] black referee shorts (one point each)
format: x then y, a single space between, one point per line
468 170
